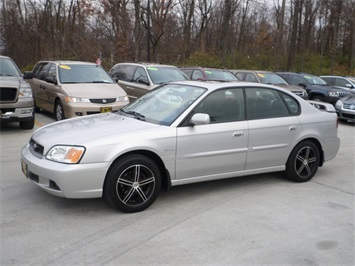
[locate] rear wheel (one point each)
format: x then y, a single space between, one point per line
318 98
59 111
303 162
132 183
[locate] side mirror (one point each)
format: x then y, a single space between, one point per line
28 75
200 119
115 78
349 85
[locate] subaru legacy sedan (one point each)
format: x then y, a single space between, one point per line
180 133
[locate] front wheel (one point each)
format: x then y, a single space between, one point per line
303 162
132 183
59 111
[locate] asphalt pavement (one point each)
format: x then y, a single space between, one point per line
255 220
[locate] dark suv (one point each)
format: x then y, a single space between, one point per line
317 88
16 99
139 78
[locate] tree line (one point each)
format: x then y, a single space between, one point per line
316 36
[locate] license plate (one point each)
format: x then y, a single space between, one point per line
105 109
24 168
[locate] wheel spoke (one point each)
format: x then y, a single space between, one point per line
141 194
129 195
308 169
308 149
137 173
147 181
312 160
125 182
300 158
299 171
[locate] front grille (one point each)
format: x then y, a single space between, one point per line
8 94
342 94
350 116
349 106
36 149
103 101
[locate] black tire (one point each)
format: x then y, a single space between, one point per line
132 184
303 162
318 98
59 111
29 124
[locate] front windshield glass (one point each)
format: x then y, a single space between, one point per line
271 78
314 80
78 73
8 68
213 74
161 75
165 104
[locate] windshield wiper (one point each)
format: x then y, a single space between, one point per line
135 114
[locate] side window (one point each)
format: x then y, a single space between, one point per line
52 71
250 77
223 106
341 82
330 81
123 72
291 104
264 103
188 72
140 73
297 80
197 75
42 72
240 75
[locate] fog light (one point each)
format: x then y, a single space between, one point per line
26 111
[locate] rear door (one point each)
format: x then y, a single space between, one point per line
273 127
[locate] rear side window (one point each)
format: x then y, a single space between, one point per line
42 71
264 103
123 72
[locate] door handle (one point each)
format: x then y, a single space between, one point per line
238 134
291 128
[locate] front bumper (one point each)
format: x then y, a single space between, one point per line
346 114
72 110
64 180
21 110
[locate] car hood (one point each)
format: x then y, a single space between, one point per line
90 90
326 87
77 131
290 87
11 81
349 99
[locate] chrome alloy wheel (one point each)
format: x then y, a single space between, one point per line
306 162
135 185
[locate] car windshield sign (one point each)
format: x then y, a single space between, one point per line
161 75
75 73
163 105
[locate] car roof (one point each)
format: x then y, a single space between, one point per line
332 76
215 85
4 56
146 64
67 62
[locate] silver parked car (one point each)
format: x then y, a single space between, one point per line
180 133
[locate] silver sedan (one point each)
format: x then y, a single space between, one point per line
180 133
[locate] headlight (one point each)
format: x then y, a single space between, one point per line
333 94
122 99
339 104
65 154
25 92
76 100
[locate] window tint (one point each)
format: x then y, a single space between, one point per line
197 75
264 103
250 77
42 71
291 104
240 75
223 106
52 71
140 74
341 82
297 80
123 72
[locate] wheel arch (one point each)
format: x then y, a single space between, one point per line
319 146
166 180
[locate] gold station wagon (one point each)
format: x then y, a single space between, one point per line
72 88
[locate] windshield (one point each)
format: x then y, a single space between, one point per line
271 78
213 74
75 73
8 68
165 74
163 105
314 80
